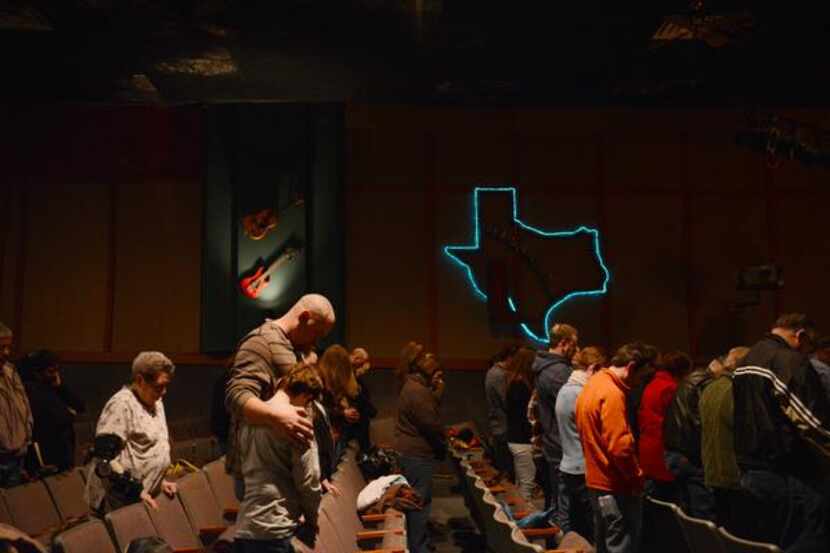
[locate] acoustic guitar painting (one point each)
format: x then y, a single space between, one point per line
257 225
252 286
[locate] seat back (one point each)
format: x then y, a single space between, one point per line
701 535
67 491
486 506
500 534
663 515
221 483
574 540
735 544
32 510
87 537
5 515
199 502
129 523
172 524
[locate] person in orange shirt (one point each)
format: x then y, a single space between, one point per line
612 471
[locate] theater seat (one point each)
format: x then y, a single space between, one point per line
735 544
173 526
203 510
221 483
67 491
88 537
662 515
5 515
32 510
129 523
701 535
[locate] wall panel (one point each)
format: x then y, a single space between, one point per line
158 265
386 242
648 290
65 299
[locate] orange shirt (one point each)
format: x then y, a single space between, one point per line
607 442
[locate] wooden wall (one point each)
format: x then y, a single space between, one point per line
681 208
100 225
100 232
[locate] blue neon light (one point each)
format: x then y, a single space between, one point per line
448 250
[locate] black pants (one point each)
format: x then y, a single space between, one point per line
695 497
501 455
794 514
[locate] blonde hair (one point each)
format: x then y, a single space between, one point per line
336 371
588 357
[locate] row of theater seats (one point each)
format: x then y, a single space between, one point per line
200 518
684 534
191 439
495 505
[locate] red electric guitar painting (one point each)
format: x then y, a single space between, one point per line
253 285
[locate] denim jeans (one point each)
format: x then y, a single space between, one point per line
418 472
263 546
525 468
575 513
552 484
794 514
618 522
696 499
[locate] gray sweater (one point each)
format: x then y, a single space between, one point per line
281 483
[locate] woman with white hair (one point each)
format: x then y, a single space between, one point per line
136 415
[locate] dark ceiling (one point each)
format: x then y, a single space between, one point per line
456 51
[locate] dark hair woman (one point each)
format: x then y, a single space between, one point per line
520 382
419 437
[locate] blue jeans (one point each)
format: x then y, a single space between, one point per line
618 522
418 472
795 516
575 513
263 546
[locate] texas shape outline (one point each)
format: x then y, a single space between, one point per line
449 249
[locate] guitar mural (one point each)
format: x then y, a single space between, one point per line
253 285
258 224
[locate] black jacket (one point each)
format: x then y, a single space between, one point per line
781 414
54 422
681 427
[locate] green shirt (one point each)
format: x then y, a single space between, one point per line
717 408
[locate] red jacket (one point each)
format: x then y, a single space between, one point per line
657 397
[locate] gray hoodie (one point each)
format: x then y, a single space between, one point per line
552 371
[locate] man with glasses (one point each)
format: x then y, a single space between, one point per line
16 421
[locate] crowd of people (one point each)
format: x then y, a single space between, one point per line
743 441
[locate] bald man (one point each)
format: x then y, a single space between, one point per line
263 356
